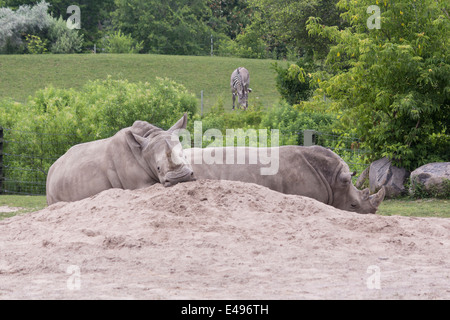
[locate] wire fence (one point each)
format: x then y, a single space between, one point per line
25 157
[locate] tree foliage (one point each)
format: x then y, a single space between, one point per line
391 85
286 22
230 16
174 26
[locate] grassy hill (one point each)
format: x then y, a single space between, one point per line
22 75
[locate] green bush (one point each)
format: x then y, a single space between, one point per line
35 45
419 191
64 40
15 24
294 81
247 44
118 42
292 121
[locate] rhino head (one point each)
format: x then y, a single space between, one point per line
348 197
161 154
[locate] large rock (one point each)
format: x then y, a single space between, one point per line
431 177
363 179
383 173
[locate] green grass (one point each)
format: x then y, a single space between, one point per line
416 208
26 203
22 75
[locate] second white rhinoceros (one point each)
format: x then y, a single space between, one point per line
315 172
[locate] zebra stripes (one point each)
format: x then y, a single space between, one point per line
237 81
240 80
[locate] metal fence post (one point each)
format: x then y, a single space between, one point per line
309 138
212 46
201 94
1 160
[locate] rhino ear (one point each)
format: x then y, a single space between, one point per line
345 178
181 124
135 141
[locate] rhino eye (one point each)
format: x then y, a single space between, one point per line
353 206
159 168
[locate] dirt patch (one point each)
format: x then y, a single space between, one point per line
219 240
6 209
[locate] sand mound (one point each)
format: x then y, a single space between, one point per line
219 240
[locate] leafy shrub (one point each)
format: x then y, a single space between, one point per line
221 120
294 81
292 122
118 42
25 20
35 45
419 191
64 40
103 107
39 29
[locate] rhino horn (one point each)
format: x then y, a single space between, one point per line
365 194
376 199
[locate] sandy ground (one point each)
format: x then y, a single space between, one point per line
219 240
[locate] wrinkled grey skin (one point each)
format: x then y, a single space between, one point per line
135 157
315 172
242 88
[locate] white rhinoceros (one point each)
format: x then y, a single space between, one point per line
135 157
315 172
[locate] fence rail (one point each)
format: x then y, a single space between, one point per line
25 157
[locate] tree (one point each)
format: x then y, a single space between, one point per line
286 20
172 26
391 85
230 16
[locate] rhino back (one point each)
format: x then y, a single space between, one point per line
296 174
78 173
325 161
89 168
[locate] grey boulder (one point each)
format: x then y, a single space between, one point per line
431 176
383 173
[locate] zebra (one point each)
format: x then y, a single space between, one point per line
240 80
